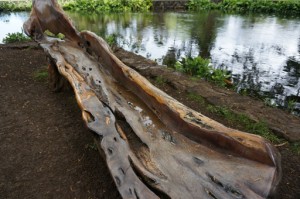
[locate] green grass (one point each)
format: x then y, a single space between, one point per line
295 147
197 98
91 146
15 37
41 75
291 105
160 80
237 119
250 126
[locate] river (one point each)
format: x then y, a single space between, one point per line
262 52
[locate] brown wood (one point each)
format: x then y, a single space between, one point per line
155 147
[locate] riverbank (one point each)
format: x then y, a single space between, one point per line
281 7
45 128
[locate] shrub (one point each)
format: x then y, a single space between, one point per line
108 5
201 67
15 37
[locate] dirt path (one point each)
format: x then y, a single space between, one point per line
45 149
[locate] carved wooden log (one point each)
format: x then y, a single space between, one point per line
155 147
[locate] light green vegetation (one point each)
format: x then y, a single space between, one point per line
107 5
11 6
237 119
288 7
23 5
160 80
41 75
91 146
291 105
258 128
295 147
15 37
111 39
200 67
269 102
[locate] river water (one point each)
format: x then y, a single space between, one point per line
262 52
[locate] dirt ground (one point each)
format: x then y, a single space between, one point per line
45 149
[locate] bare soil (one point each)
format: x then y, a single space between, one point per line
45 149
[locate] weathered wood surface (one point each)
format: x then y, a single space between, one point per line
155 147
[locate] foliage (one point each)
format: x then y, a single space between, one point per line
41 75
201 67
197 98
15 6
86 6
237 119
269 102
160 80
111 39
220 76
296 147
197 66
288 7
15 37
202 5
108 5
91 146
291 105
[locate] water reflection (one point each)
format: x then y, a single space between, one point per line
262 52
11 22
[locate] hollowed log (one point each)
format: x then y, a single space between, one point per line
155 147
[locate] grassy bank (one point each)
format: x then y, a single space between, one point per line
108 5
85 5
288 7
238 120
15 6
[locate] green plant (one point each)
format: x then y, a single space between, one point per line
269 102
291 105
197 98
197 66
160 80
41 75
91 146
287 7
258 128
15 37
220 76
111 39
201 68
108 5
295 147
201 5
13 6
